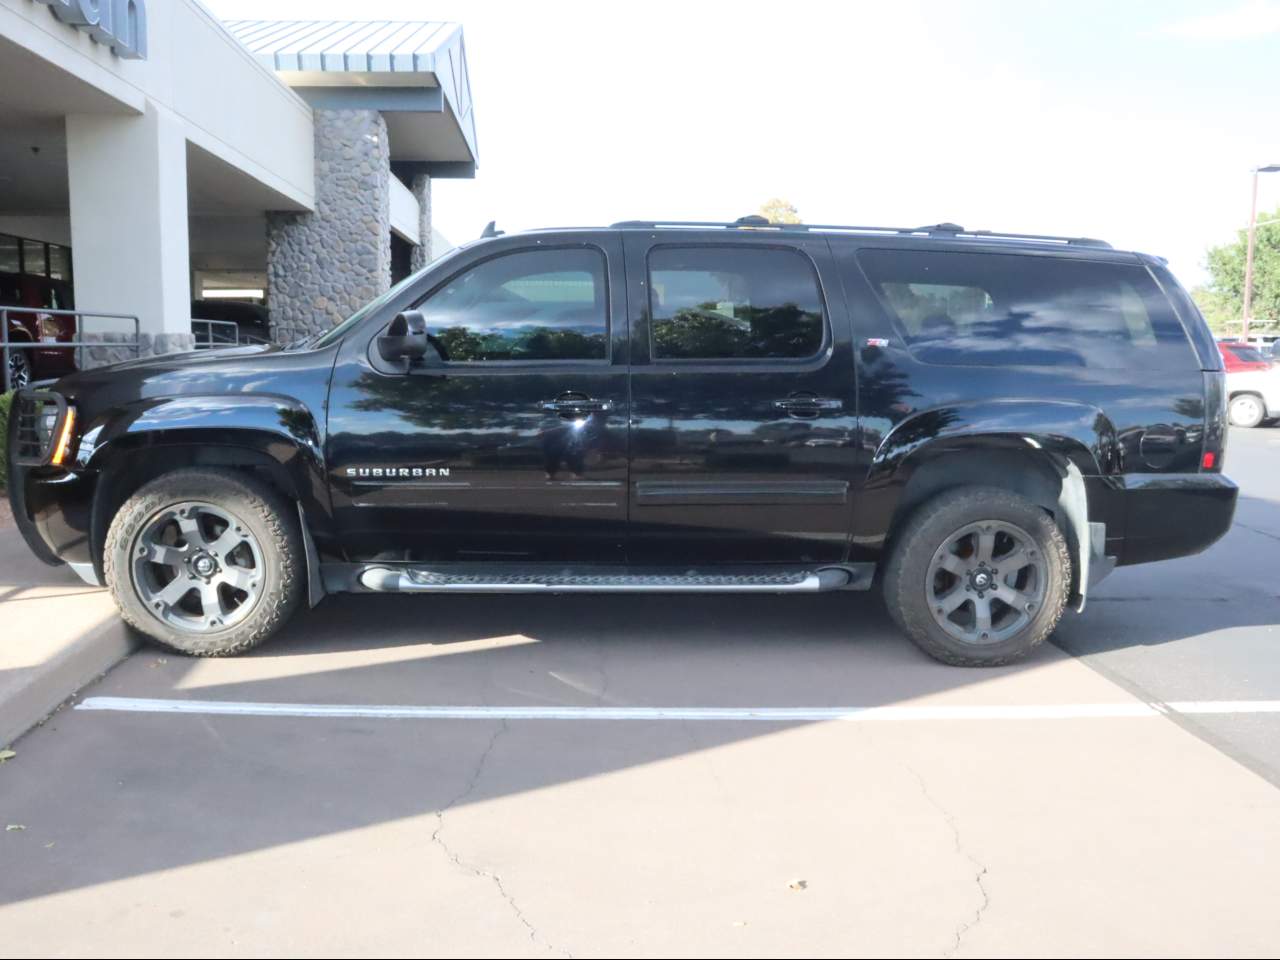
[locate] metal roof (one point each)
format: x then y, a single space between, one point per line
370 54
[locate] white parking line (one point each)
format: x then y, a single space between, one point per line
1066 711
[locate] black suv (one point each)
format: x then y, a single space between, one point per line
984 424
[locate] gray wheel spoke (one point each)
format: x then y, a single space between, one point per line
191 532
1014 598
238 577
953 600
986 545
1012 562
982 614
227 542
175 590
952 564
211 600
164 554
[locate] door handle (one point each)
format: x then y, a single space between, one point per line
580 405
806 405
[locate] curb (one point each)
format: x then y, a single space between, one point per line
34 694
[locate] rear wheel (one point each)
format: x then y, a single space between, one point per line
205 561
978 577
1246 410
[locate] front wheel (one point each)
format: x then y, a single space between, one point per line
978 577
1246 410
206 562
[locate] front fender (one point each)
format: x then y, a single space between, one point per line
276 427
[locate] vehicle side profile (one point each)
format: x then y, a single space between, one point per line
980 425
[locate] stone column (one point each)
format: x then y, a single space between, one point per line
421 187
323 266
127 177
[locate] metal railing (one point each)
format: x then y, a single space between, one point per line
211 334
77 343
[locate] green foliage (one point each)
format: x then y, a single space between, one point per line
778 210
6 400
1220 312
704 332
1225 291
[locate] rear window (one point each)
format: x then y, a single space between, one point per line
1007 309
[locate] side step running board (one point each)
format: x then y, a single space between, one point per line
385 579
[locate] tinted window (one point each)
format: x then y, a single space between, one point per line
721 303
974 308
1242 351
531 305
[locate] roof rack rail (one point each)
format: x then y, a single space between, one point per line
950 231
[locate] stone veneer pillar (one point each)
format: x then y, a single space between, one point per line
323 266
421 255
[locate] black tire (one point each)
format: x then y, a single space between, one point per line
263 515
909 581
1246 410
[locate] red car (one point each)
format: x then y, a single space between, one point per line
35 326
1239 357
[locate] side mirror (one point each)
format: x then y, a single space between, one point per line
405 338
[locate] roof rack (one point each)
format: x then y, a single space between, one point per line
949 231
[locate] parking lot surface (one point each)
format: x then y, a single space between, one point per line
588 776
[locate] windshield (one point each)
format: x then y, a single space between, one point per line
341 330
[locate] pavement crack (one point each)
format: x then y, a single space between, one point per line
979 868
1251 529
456 858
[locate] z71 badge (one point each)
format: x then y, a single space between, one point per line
396 473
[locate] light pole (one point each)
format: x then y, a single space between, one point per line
1248 257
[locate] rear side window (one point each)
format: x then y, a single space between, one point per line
530 305
1242 351
1006 309
733 303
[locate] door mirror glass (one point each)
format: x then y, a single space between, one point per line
405 338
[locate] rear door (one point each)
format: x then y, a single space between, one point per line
742 399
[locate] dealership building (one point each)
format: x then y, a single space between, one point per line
152 155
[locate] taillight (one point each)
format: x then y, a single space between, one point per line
1215 422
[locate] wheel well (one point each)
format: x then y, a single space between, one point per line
1025 472
133 466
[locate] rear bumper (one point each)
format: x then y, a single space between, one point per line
1174 515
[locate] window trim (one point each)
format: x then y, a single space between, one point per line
459 365
814 359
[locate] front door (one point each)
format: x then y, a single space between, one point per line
742 400
514 448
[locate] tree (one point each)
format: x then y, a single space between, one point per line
1224 294
778 210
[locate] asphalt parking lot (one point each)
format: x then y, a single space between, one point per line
590 776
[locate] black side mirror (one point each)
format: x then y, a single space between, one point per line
405 338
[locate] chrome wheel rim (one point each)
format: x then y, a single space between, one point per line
197 567
986 582
19 372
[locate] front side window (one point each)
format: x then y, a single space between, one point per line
530 305
1007 309
733 303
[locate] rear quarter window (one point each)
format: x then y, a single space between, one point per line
1007 309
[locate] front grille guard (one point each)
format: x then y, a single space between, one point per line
30 443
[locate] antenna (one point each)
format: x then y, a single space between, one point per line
490 230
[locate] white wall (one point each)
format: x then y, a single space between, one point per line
405 214
226 101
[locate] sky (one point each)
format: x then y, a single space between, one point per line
1136 122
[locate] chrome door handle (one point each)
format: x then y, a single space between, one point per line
806 406
577 406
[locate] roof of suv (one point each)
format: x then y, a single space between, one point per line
938 231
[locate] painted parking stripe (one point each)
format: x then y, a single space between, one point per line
1070 711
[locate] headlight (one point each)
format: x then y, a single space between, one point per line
48 328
